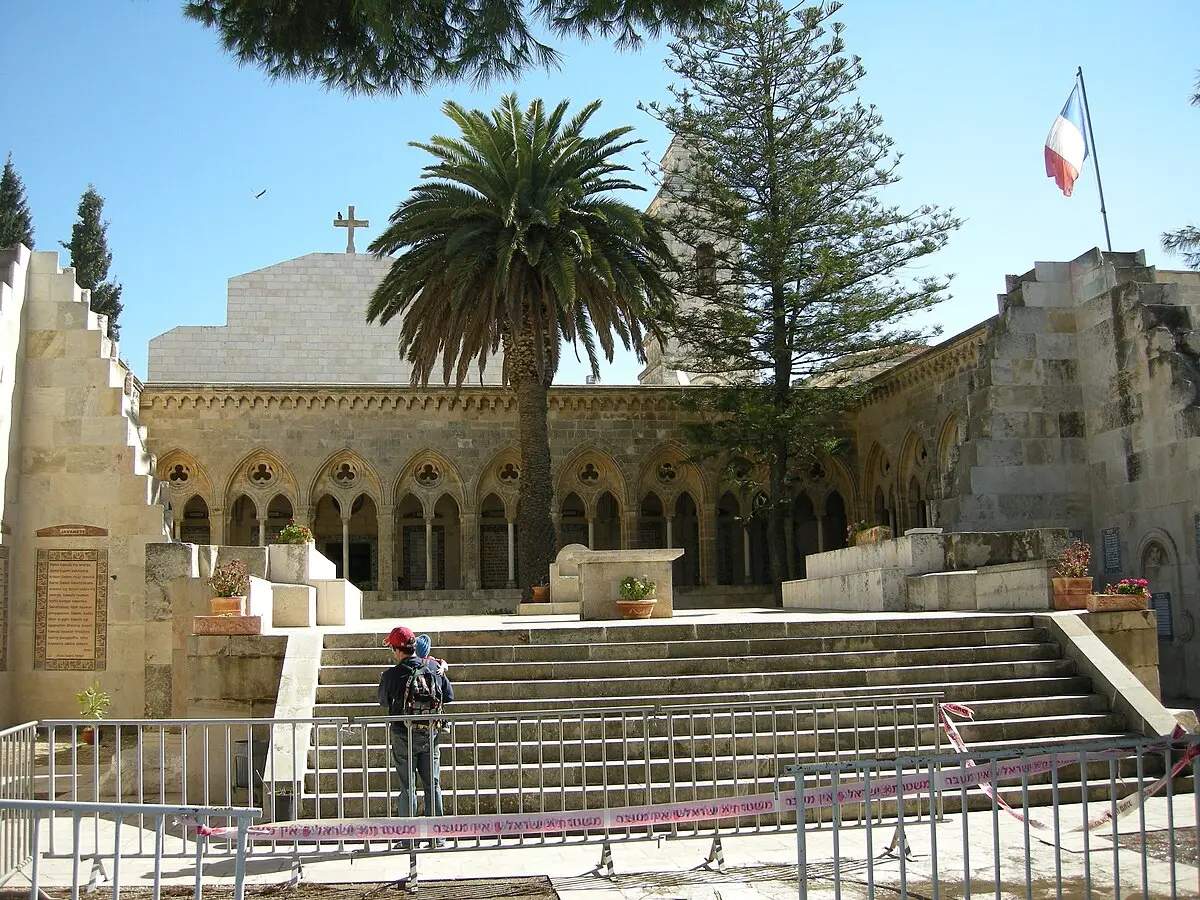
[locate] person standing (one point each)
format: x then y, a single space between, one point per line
415 686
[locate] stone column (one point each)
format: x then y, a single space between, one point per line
746 554
820 534
262 532
216 525
176 525
629 529
512 554
430 580
469 561
591 533
670 532
386 526
346 547
706 532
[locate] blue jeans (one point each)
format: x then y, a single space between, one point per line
418 752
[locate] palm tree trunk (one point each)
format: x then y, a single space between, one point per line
536 543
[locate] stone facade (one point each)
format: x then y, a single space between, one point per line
80 505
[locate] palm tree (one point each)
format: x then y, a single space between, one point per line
1186 241
513 241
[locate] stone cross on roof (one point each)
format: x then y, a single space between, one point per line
350 223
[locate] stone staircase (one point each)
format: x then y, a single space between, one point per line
757 680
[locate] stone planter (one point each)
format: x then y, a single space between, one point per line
636 609
226 625
1116 602
1071 593
873 535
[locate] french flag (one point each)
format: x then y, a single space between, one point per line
1066 145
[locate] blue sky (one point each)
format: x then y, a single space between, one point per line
129 96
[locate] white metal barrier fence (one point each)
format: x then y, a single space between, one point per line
109 819
17 750
1103 818
548 762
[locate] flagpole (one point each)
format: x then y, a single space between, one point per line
1087 113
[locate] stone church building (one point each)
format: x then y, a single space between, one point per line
1076 406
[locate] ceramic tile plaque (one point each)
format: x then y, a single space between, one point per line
1111 542
70 629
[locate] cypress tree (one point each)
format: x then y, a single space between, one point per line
91 258
16 222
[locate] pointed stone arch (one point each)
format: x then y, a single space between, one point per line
345 475
591 472
950 438
500 475
429 474
879 487
185 476
668 472
914 466
258 476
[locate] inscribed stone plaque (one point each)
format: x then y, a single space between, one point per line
3 609
70 628
1112 550
73 531
1161 604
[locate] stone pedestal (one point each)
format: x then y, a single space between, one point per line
601 573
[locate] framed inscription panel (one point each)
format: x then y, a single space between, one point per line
70 629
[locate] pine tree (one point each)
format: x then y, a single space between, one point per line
402 46
16 222
91 258
797 274
1186 241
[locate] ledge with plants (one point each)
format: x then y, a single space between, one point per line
1128 594
294 533
637 597
228 607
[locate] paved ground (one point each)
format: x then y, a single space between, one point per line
756 866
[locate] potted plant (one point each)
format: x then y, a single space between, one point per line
230 583
1072 585
637 597
860 533
540 593
93 703
294 533
1126 594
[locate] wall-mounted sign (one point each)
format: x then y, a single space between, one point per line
70 627
1161 604
73 531
1111 543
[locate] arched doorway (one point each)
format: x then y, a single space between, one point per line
686 534
608 523
836 521
731 566
494 544
652 524
572 521
804 533
195 527
279 513
242 530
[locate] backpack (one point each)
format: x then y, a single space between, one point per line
419 693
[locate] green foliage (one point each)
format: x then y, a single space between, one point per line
16 221
398 46
513 239
797 271
93 702
1186 241
91 259
294 533
1076 561
230 579
636 587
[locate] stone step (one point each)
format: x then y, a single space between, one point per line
530 653
716 667
730 632
898 679
958 691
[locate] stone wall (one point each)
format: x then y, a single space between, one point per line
302 321
81 503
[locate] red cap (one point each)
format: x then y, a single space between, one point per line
401 637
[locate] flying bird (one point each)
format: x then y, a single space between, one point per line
260 193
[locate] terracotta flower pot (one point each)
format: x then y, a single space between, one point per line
1071 593
541 593
1117 602
636 609
227 606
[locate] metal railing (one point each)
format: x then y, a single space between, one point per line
568 760
17 765
113 816
1101 818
